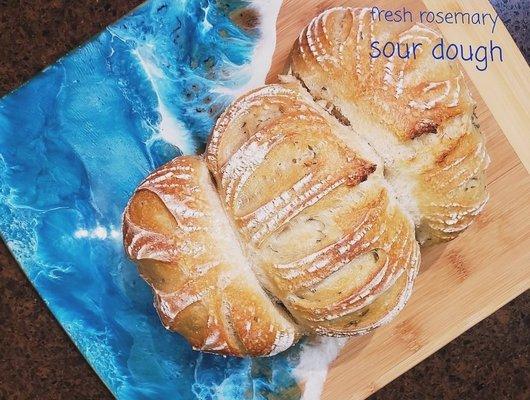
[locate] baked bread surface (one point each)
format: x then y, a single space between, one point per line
298 232
416 112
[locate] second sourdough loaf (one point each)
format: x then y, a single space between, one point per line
303 214
416 112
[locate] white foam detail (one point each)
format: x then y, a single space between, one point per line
170 129
260 65
206 25
315 359
98 232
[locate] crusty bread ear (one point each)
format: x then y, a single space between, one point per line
175 229
416 112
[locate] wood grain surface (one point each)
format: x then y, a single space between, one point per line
463 281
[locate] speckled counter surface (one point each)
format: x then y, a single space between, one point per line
38 361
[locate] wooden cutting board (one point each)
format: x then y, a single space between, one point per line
466 280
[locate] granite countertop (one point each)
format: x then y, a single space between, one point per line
38 360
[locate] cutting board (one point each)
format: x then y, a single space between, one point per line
61 199
466 280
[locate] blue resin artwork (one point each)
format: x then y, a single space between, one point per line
76 141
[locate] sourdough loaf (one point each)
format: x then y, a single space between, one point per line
416 112
177 232
297 233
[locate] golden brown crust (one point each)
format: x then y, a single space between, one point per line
414 111
452 190
177 233
327 237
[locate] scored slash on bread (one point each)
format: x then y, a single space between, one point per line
303 215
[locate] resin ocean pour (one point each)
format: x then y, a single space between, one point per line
77 140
